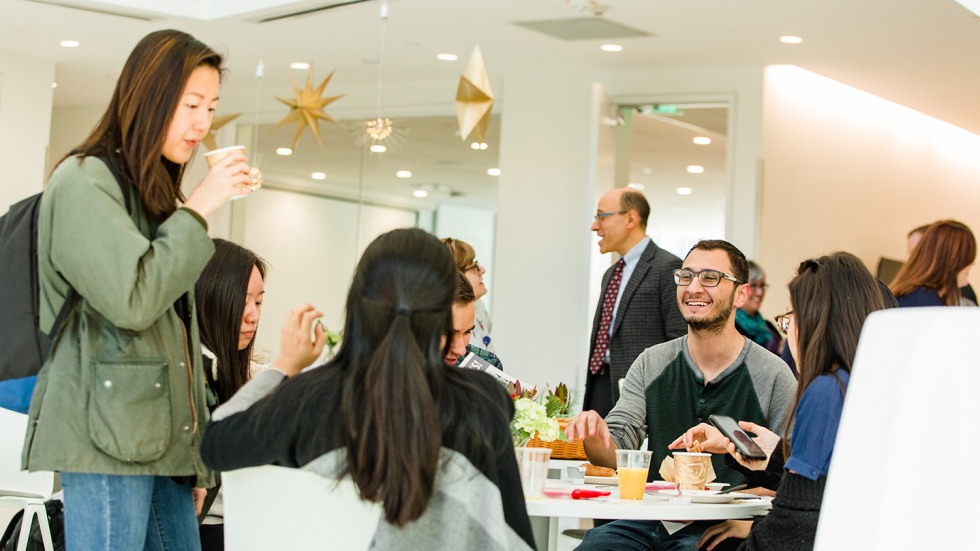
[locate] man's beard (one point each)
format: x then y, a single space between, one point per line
713 323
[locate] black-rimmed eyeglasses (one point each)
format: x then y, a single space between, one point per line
707 278
782 322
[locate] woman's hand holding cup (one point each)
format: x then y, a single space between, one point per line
229 176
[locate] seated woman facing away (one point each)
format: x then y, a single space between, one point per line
830 298
412 434
939 266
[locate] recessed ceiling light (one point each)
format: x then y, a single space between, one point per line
790 39
637 186
702 140
301 65
420 193
284 151
404 174
378 148
447 57
69 43
493 171
684 191
319 176
695 169
54 84
611 48
479 146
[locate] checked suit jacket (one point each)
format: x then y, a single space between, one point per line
648 313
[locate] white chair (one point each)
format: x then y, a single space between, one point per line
21 489
280 508
906 447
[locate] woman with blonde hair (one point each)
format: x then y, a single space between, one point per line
939 266
465 258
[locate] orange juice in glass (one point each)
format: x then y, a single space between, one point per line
632 468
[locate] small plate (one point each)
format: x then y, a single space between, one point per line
601 480
664 485
706 496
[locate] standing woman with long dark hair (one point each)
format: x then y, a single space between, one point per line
939 266
120 407
412 433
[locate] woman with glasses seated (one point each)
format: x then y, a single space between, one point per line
830 298
466 263
749 321
431 445
939 266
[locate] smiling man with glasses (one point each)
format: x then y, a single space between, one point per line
637 308
676 385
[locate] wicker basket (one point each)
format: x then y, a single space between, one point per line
560 449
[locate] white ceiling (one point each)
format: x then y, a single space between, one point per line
915 52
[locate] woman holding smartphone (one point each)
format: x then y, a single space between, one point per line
120 407
830 298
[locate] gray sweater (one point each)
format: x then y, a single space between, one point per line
665 394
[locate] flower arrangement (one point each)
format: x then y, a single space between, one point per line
534 416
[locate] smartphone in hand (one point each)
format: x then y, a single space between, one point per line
743 442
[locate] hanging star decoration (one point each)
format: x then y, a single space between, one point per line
210 141
307 109
474 99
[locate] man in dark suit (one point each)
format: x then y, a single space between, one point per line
638 307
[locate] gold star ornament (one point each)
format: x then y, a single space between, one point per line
307 109
210 141
474 99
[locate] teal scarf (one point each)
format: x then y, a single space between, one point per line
753 327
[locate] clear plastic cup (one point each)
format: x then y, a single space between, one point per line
632 469
533 466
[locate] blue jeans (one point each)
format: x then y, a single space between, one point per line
642 535
128 512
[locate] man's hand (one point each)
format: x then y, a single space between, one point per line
589 426
712 440
721 532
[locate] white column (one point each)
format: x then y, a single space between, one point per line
540 307
25 124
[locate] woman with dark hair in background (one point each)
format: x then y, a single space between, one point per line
939 266
120 405
830 298
386 411
229 297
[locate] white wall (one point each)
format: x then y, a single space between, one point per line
310 245
846 170
69 127
25 124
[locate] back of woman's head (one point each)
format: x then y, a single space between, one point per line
220 295
831 297
398 314
463 253
139 114
946 248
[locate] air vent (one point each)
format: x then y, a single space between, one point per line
138 15
271 17
582 28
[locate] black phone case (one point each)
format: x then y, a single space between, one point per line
742 447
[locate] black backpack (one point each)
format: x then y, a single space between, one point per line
23 345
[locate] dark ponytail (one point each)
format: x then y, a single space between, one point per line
398 312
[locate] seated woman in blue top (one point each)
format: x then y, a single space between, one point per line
830 297
939 266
